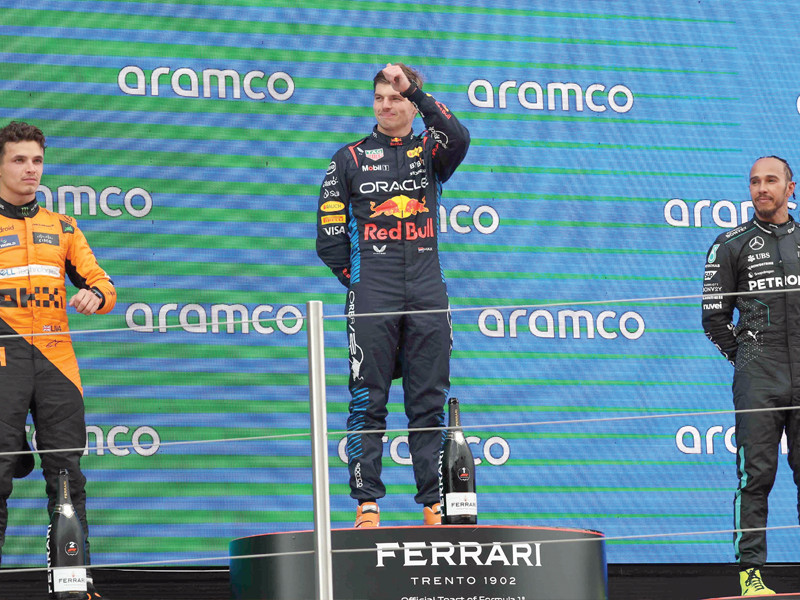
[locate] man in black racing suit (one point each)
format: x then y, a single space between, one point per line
377 224
759 257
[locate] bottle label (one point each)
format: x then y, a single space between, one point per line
461 503
69 579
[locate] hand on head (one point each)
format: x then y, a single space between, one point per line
396 77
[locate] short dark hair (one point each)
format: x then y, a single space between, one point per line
412 74
19 131
786 167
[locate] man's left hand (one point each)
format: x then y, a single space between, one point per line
85 302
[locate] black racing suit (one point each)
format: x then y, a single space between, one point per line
765 349
377 226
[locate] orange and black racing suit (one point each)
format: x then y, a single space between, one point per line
377 228
40 373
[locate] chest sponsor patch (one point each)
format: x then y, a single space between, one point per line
45 238
7 241
31 270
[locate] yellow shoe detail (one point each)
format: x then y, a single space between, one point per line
752 584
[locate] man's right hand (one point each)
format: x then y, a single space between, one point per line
395 75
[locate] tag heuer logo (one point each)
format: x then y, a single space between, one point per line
374 154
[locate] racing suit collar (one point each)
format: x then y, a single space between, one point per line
776 230
385 140
13 211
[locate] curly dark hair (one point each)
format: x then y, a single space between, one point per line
18 131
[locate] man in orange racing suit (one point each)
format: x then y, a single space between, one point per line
40 373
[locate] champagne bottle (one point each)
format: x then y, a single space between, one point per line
459 501
66 554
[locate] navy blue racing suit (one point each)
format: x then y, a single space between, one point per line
377 226
764 346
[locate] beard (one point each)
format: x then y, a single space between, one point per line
766 213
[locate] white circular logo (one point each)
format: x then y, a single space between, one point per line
757 243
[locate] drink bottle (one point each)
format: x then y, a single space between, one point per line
459 501
66 554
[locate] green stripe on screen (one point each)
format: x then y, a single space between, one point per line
507 275
56 46
376 6
213 269
240 350
148 544
169 517
192 187
114 239
134 462
521 462
192 296
180 378
103 20
114 489
116 405
211 435
236 161
152 158
235 379
401 7
451 193
588 224
474 168
165 131
97 102
369 5
69 128
667 542
516 143
454 247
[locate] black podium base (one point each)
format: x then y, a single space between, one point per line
455 562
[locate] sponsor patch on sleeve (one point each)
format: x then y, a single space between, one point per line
332 206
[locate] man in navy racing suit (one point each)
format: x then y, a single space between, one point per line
377 231
759 258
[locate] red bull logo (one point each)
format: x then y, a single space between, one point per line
398 206
401 231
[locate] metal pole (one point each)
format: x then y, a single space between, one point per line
323 561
